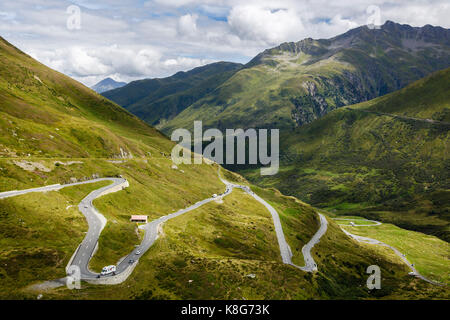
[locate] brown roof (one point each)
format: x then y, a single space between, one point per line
138 217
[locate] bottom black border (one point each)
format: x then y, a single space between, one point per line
312 309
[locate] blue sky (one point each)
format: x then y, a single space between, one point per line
135 39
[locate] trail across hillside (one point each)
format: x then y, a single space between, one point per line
376 242
400 117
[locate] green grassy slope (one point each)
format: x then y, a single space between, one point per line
45 114
296 83
381 159
216 246
40 232
211 253
158 100
55 130
429 254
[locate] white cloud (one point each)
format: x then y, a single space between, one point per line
264 24
420 13
127 40
123 64
187 25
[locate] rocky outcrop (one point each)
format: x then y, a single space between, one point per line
338 91
123 154
31 166
383 60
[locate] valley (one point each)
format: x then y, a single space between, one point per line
363 118
385 159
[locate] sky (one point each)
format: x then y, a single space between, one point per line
135 39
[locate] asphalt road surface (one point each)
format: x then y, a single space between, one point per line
96 222
372 224
53 187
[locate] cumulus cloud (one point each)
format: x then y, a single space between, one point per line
132 39
265 24
187 24
123 64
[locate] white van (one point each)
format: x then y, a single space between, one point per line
108 270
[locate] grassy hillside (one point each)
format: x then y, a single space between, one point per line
213 253
40 231
55 130
295 83
46 114
429 254
159 100
386 158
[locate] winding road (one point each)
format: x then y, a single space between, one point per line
372 224
414 271
97 222
285 250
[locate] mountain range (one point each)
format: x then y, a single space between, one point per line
297 82
372 171
156 100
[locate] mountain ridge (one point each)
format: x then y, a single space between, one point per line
296 82
164 98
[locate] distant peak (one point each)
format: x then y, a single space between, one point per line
389 22
108 84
